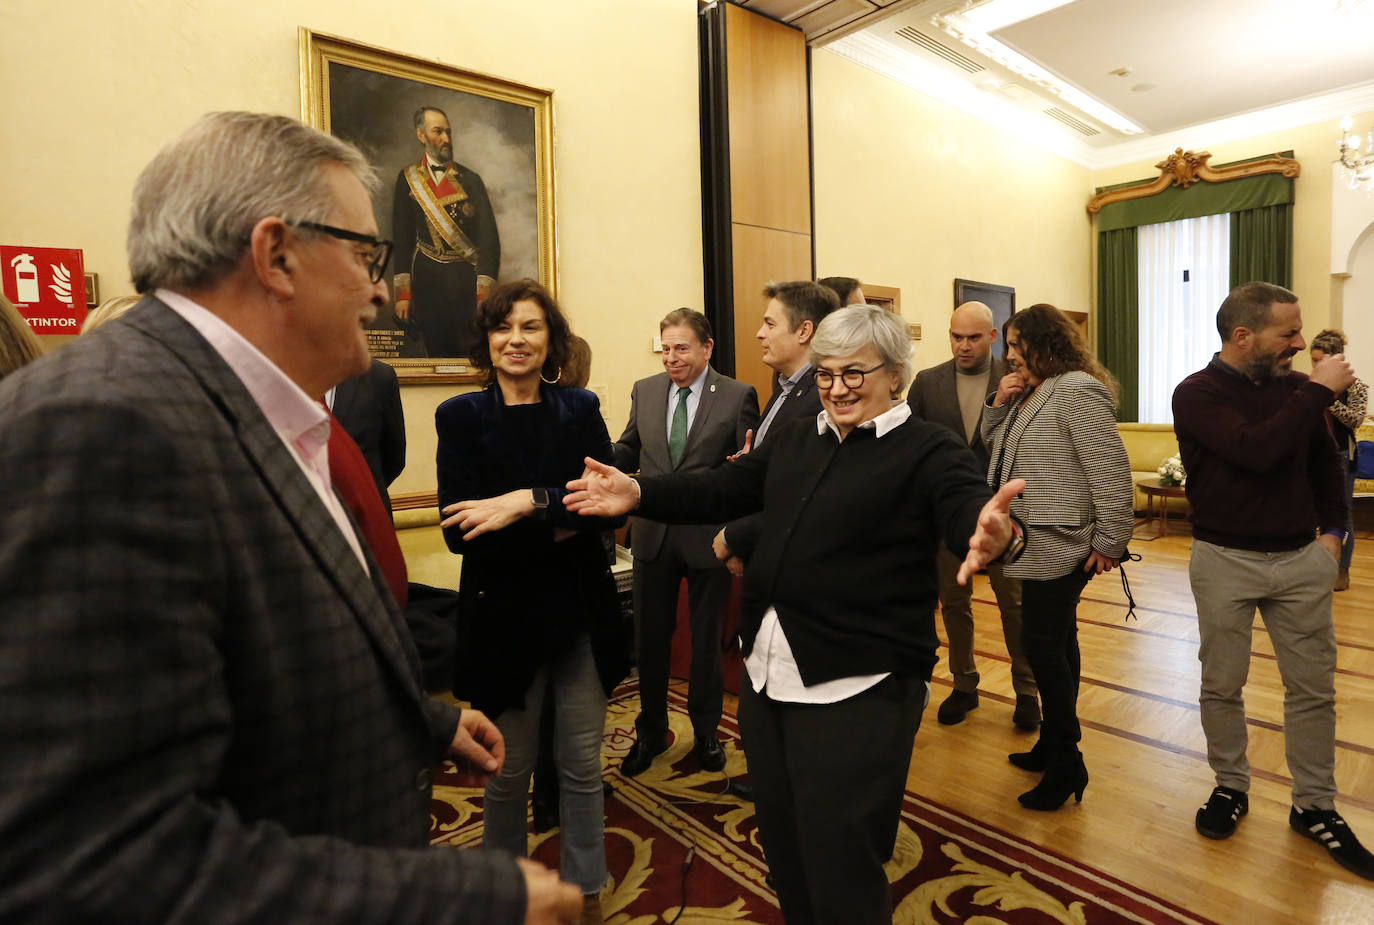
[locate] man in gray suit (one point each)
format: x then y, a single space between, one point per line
212 707
687 418
953 394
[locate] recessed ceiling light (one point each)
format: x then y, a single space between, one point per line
1120 72
959 27
1143 88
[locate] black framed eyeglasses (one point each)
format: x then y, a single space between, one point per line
376 258
852 378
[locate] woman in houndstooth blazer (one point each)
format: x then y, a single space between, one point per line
1051 423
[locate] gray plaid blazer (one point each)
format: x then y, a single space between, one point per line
209 711
1063 441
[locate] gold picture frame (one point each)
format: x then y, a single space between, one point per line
502 135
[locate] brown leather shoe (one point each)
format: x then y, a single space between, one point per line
591 911
956 707
1026 716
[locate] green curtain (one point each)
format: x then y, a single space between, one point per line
1261 249
1202 198
1118 307
1262 246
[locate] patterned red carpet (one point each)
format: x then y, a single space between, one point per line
947 868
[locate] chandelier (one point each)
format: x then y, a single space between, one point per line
1358 160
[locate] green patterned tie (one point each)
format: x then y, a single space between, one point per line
677 434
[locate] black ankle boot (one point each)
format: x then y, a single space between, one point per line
1065 774
1037 759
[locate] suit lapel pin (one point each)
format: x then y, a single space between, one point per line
713 388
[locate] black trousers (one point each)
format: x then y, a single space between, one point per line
1049 636
656 586
443 300
828 784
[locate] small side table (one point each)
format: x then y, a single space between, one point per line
1157 494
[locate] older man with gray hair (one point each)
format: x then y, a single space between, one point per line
212 706
953 394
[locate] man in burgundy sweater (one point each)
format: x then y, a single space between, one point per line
1268 521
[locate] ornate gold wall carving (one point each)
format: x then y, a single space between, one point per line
1184 168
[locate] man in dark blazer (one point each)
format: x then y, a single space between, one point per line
212 707
369 408
953 394
687 418
789 322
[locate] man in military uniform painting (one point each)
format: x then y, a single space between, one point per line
447 249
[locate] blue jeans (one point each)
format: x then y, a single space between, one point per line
580 710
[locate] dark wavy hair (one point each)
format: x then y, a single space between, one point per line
498 307
1052 345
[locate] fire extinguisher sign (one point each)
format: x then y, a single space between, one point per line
47 285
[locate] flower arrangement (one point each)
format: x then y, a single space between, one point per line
1171 471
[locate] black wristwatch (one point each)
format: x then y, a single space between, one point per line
1015 547
540 498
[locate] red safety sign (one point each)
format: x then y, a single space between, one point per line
47 285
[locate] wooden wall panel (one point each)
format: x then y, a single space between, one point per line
760 256
770 155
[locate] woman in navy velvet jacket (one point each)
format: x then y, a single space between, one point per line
536 596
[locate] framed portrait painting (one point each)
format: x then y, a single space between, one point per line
466 195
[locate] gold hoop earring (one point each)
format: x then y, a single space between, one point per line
554 380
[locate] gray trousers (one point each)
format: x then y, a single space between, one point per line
956 608
1292 591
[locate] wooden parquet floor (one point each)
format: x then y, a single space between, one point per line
1146 755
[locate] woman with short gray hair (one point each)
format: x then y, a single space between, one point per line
837 628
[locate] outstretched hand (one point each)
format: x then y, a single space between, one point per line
603 491
744 450
993 533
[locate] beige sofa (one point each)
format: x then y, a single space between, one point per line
427 557
1148 445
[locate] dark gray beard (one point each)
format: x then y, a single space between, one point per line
1266 369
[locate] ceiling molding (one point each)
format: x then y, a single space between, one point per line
1247 125
934 81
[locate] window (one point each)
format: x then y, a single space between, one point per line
1184 274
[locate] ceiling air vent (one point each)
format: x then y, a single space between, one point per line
935 48
1078 125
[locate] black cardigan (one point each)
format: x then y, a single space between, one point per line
523 598
850 533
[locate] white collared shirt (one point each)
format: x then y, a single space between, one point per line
770 662
693 400
300 422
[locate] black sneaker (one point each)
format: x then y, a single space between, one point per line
1328 829
1218 816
